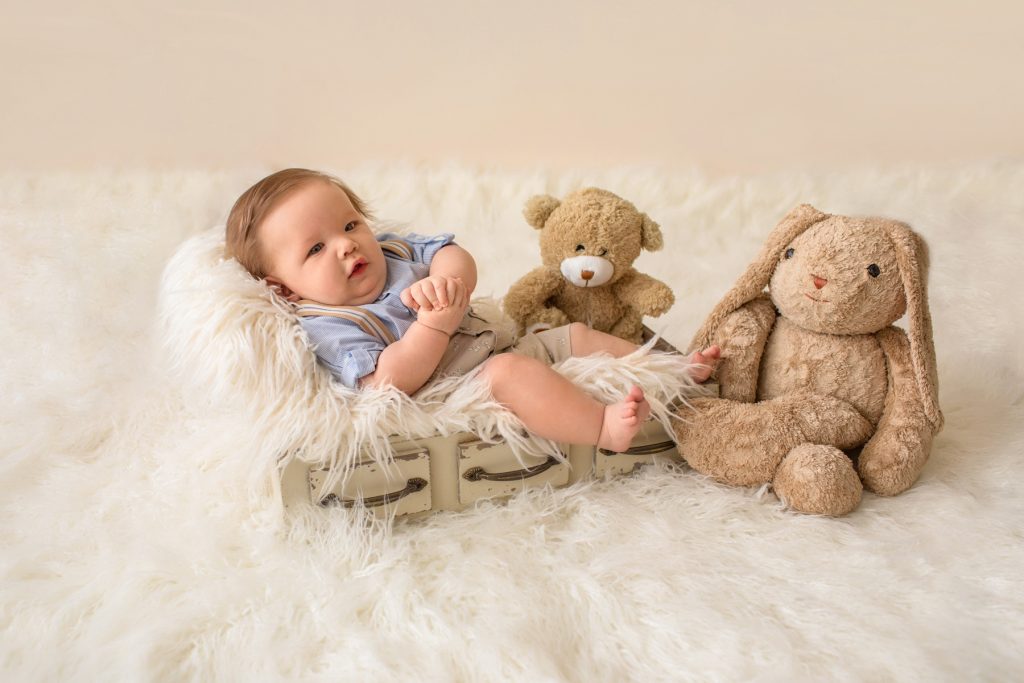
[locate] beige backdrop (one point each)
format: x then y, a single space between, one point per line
728 86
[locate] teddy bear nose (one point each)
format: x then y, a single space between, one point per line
819 282
587 274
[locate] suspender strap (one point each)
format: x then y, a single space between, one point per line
367 321
397 247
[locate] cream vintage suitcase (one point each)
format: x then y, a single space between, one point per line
451 473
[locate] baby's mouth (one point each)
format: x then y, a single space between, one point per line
358 269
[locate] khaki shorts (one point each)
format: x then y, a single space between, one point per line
477 339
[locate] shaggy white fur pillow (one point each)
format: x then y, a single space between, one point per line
235 342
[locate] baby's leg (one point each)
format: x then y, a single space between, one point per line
553 407
586 341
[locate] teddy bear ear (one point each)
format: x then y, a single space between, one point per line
539 208
759 273
650 234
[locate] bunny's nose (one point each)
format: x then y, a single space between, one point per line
587 274
819 282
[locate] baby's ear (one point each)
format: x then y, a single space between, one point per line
539 208
281 289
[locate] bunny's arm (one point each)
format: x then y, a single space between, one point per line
528 299
643 293
742 336
892 460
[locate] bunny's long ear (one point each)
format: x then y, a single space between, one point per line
759 272
912 259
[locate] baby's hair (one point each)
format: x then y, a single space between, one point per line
241 238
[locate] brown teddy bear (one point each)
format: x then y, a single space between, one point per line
588 243
816 366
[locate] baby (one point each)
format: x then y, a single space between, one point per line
388 309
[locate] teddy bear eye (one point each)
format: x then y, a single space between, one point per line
874 270
602 252
580 247
789 253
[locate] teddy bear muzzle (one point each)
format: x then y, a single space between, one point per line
587 271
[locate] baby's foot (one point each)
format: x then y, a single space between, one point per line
622 421
708 358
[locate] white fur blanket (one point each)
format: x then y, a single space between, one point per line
141 540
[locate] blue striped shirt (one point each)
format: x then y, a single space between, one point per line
343 345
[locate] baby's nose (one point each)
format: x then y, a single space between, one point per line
819 282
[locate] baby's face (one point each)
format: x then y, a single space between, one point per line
319 247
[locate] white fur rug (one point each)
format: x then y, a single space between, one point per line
142 541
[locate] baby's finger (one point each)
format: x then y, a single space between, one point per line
421 298
407 299
453 290
440 293
430 291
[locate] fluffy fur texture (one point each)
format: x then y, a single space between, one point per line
141 540
838 284
588 244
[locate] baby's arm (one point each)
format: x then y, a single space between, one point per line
454 261
409 362
450 264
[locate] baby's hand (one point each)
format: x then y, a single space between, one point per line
447 319
432 292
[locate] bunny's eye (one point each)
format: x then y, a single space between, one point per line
789 253
874 270
579 247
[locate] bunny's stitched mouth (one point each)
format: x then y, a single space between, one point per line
820 301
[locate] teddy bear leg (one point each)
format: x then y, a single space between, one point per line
629 327
818 480
546 318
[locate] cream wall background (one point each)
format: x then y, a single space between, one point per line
731 87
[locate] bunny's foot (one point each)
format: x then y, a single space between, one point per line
818 480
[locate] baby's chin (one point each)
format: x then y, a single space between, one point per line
356 300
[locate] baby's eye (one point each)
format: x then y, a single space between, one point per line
316 248
874 270
349 227
789 253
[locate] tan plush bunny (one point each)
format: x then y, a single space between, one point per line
815 366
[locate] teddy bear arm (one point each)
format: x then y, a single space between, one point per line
526 299
643 293
892 459
742 336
